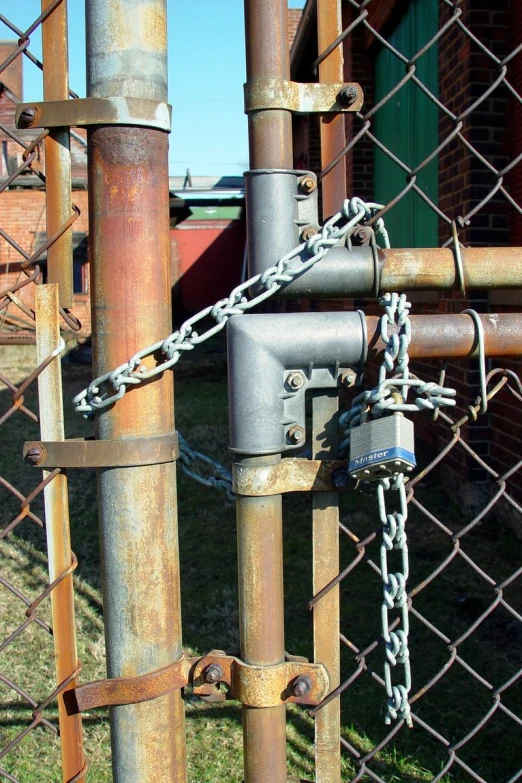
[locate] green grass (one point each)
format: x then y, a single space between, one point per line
209 594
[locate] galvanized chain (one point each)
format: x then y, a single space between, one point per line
110 387
388 397
219 478
395 597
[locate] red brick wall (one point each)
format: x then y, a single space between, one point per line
22 216
294 17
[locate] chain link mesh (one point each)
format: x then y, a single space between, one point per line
437 142
30 730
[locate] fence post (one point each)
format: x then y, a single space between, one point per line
260 540
129 245
61 561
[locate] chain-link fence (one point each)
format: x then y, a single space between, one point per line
438 142
38 655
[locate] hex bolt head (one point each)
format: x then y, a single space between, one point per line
27 116
295 380
301 685
308 232
296 434
363 235
35 455
347 95
308 184
340 479
213 673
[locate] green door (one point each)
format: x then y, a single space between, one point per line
408 126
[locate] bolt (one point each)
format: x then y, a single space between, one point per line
213 673
340 479
348 95
301 685
308 233
35 455
295 380
348 378
362 235
296 434
308 184
27 116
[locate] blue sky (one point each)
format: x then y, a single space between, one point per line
206 76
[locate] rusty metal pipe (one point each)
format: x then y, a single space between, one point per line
129 236
435 268
58 203
332 126
268 57
454 336
326 610
261 622
58 529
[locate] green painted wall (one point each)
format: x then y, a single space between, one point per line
408 125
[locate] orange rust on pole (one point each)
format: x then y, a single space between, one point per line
435 268
454 336
332 127
58 202
57 527
326 610
130 257
268 57
261 623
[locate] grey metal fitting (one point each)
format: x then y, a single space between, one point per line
263 351
277 210
295 380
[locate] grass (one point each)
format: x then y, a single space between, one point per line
209 578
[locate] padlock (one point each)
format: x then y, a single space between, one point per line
382 447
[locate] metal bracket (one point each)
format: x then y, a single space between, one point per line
81 453
94 111
295 680
291 475
262 94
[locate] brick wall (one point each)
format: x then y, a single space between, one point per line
22 216
294 17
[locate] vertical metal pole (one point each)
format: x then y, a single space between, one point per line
268 57
57 153
259 520
57 526
261 621
129 241
333 135
326 611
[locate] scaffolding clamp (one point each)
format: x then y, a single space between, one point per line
300 98
80 112
214 677
90 453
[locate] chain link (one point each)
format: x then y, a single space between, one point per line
395 597
219 478
388 397
98 396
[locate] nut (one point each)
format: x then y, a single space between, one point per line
348 378
308 232
296 434
362 235
340 479
348 95
213 673
301 685
35 455
295 380
308 184
27 116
